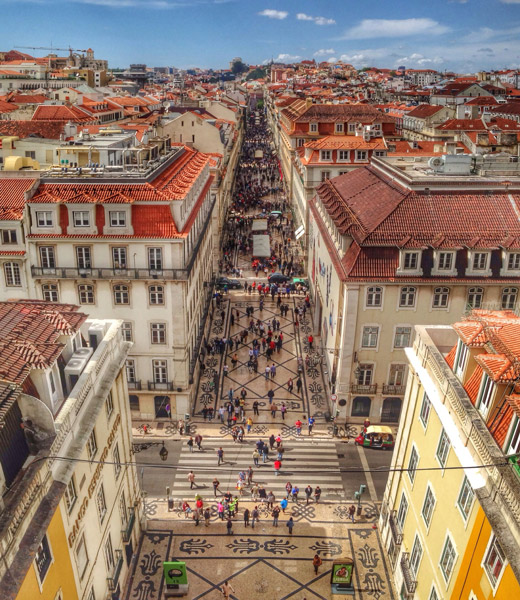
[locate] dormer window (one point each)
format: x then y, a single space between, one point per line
44 218
478 263
510 263
361 155
409 263
343 155
117 218
444 263
410 260
325 155
81 218
338 128
313 127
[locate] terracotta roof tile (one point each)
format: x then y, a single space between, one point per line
12 197
473 384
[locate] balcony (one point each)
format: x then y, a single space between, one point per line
135 384
357 388
75 273
395 529
408 577
116 572
164 386
394 390
126 533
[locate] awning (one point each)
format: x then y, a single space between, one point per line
261 246
259 225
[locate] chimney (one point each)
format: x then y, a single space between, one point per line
308 103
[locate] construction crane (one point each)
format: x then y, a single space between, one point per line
69 49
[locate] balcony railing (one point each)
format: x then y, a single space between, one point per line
112 581
408 577
395 530
398 390
134 385
106 273
357 388
126 533
154 386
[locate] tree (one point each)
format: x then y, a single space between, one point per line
238 67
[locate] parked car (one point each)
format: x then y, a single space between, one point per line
278 278
376 436
232 284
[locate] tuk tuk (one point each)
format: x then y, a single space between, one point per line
376 436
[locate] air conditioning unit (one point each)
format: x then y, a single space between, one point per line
76 365
96 333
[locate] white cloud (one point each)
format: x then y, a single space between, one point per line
332 59
317 20
510 1
273 14
286 58
324 51
388 28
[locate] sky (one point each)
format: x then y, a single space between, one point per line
460 35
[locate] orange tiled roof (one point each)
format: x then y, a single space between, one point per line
12 197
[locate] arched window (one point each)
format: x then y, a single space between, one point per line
50 292
361 406
509 297
407 297
475 296
441 296
86 294
121 294
156 294
374 296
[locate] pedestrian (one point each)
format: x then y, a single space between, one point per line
196 517
220 456
270 500
249 424
220 510
298 425
283 410
255 514
273 371
267 372
227 588
274 408
254 491
281 450
290 385
207 516
271 441
255 408
299 385
198 441
288 489
190 444
310 339
283 504
265 453
308 493
256 456
316 563
246 517
310 424
216 483
290 525
276 514
352 513
229 527
317 494
294 493
221 414
191 479
186 509
249 476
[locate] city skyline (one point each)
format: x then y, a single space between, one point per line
460 35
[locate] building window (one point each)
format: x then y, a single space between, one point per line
81 218
361 155
441 296
121 294
485 396
50 292
364 377
351 127
158 333
361 406
119 258
123 510
465 499
509 297
130 370
81 556
109 554
325 155
445 261
461 358
117 218
338 128
86 294
325 175
495 561
109 405
443 448
117 460
369 338
343 155
9 236
44 218
397 375
402 512
513 261
479 262
101 503
410 261
412 464
126 330
475 296
402 337
155 262
448 558
416 555
83 257
407 297
428 506
156 294
426 407
70 495
92 445
47 257
313 127
374 296
43 559
300 142
12 274
160 371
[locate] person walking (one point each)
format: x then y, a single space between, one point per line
255 408
299 385
256 456
288 489
308 493
267 372
294 493
246 517
276 514
198 441
274 408
249 476
316 563
207 516
277 466
290 386
298 425
283 410
220 510
310 424
227 589
190 444
272 440
229 527
255 514
352 513
283 504
249 424
221 414
273 371
191 479
317 494
290 525
270 500
220 456
216 483
254 491
196 516
310 339
265 453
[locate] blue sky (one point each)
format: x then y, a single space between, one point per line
464 35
